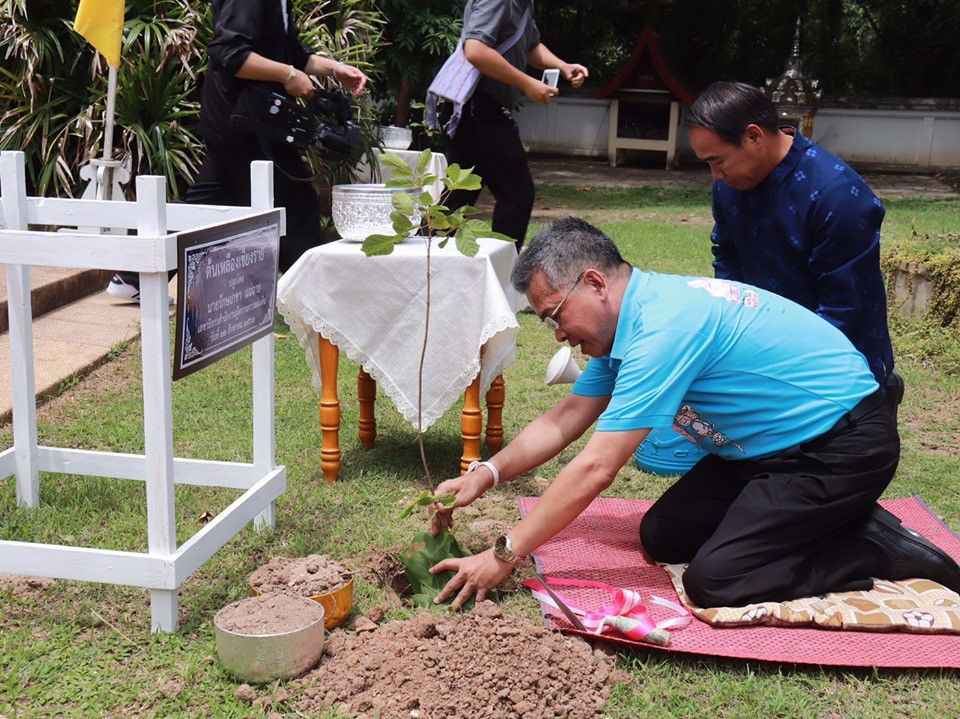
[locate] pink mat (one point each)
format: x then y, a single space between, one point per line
602 545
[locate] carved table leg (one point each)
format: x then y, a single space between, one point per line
471 422
367 395
495 397
329 409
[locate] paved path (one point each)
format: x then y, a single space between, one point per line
76 338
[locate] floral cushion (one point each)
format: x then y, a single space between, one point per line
909 605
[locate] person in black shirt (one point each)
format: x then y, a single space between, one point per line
488 138
255 41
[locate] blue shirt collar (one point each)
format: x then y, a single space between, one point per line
790 160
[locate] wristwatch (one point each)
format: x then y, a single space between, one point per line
503 550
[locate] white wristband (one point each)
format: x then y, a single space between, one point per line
489 465
293 73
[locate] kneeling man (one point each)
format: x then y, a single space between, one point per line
800 445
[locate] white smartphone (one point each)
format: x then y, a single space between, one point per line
551 77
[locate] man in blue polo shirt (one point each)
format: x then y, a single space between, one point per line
800 445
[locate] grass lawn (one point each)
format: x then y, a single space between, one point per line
71 649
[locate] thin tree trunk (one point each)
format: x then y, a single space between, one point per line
403 105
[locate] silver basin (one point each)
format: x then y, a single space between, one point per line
363 209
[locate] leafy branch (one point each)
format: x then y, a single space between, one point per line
434 220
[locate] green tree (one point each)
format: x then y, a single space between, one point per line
880 48
419 36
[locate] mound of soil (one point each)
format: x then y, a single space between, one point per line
480 665
300 576
268 614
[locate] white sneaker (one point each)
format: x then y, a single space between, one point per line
123 290
126 291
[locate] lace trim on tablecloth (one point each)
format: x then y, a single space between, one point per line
300 317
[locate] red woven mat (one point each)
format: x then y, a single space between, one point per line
602 544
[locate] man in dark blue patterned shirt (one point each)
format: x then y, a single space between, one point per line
794 219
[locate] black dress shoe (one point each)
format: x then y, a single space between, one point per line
909 554
893 394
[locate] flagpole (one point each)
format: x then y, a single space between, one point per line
105 174
111 105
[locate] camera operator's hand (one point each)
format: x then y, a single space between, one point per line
350 76
299 85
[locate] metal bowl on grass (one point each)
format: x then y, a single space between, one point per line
363 209
260 658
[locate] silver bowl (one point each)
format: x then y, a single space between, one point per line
395 138
260 658
363 209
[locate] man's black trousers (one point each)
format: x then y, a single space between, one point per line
783 527
488 140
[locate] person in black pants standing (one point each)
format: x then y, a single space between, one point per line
487 138
255 42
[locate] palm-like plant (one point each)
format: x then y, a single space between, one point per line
53 85
349 31
53 91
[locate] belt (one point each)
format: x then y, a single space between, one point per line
864 407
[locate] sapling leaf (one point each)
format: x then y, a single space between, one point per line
479 228
401 223
425 499
424 552
467 240
378 245
401 183
423 161
398 164
453 175
468 181
438 219
403 201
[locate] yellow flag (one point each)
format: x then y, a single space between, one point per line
101 23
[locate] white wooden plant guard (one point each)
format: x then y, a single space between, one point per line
151 252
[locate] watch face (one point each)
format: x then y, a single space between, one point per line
504 554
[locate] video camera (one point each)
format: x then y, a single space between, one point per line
326 122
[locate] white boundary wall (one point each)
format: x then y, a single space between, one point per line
151 252
909 140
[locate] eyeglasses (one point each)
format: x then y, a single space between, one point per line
550 320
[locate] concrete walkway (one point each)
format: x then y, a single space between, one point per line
76 335
71 340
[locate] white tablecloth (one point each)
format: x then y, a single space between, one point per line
437 166
373 309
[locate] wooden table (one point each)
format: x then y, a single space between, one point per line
335 298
